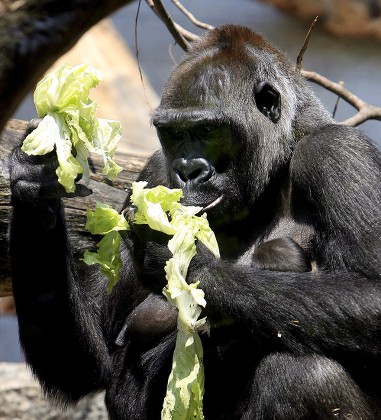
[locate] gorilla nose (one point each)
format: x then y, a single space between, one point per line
196 170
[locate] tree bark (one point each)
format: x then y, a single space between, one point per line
112 193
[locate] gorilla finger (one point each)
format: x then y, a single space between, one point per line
40 163
129 213
26 190
55 190
80 191
35 191
144 234
32 125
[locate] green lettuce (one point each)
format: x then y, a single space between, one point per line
160 208
153 205
106 221
70 127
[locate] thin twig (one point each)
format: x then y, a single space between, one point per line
162 12
305 45
136 33
337 102
191 17
187 35
365 112
170 53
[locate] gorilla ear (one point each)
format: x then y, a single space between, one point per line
267 99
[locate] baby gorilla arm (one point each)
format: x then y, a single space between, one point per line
280 254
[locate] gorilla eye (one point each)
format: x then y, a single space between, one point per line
205 132
170 136
268 101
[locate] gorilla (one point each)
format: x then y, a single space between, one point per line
294 302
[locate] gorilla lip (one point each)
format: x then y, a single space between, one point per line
213 204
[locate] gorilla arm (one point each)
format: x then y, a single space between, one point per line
59 314
335 177
297 312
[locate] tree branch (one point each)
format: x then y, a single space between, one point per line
189 36
191 17
158 7
366 111
33 34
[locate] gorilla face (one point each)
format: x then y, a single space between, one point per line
201 158
215 157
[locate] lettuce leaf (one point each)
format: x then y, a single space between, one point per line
185 388
104 220
186 381
160 208
153 205
108 257
69 125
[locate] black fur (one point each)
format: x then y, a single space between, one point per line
284 187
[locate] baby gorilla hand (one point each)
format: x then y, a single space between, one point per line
149 322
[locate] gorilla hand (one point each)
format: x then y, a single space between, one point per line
34 183
203 258
34 177
151 253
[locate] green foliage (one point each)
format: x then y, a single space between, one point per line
159 208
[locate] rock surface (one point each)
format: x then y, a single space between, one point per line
21 399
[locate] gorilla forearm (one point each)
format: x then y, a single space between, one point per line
286 311
58 319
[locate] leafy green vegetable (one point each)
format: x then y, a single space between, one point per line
159 207
185 389
69 125
153 205
104 220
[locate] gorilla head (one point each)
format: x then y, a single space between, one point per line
228 123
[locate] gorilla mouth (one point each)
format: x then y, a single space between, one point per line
213 204
207 200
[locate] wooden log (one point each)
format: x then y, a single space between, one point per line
112 193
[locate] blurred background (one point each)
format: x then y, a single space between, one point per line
343 47
356 61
